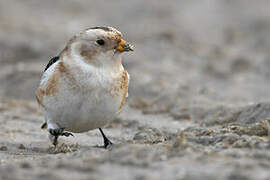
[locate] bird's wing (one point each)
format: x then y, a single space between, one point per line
48 83
48 80
124 85
51 62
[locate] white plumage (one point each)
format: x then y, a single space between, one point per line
86 87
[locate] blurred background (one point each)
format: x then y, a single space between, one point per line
183 49
219 48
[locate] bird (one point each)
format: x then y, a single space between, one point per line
85 86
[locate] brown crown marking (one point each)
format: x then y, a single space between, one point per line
101 27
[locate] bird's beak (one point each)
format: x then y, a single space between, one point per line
123 46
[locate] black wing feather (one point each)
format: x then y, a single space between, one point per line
51 62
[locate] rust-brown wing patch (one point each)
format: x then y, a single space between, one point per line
124 87
50 88
39 96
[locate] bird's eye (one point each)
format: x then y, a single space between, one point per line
100 42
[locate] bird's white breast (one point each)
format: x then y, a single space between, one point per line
83 106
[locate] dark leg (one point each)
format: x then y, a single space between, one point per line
107 142
58 132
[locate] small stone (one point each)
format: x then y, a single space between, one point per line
25 165
149 135
63 148
180 141
3 148
21 146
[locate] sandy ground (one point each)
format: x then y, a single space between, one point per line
199 101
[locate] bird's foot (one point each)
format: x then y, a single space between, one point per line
107 143
58 132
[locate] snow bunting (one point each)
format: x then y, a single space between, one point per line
85 87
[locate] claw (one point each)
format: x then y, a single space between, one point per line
107 142
58 132
67 134
55 142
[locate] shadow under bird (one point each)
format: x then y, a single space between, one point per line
85 87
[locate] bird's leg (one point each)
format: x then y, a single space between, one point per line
58 132
55 140
54 134
107 142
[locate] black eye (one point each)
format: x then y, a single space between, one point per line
100 42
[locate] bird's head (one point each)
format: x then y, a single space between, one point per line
97 46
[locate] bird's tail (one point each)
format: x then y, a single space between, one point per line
44 125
